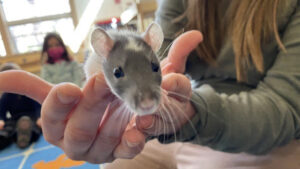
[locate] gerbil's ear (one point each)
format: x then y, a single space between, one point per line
101 42
154 36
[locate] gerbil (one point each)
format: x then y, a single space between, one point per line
130 65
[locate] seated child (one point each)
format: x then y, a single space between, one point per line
22 124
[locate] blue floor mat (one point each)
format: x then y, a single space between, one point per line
40 155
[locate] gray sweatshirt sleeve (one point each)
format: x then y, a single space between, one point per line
46 74
257 120
78 74
167 12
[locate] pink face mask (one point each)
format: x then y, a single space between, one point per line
56 52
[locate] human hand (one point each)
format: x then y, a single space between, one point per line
71 117
74 125
2 124
176 107
39 122
179 51
27 84
83 122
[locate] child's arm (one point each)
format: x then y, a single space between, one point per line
78 75
258 120
46 75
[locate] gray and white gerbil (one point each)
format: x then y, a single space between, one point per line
130 65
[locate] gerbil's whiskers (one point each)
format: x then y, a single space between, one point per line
165 116
174 110
185 116
120 114
166 49
163 121
172 122
169 46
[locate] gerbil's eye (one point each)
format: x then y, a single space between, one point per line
118 72
155 67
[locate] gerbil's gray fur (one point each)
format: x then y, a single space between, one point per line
130 65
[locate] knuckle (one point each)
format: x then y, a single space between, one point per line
49 139
100 159
96 103
80 135
95 160
49 120
126 154
52 140
109 139
129 155
136 151
74 156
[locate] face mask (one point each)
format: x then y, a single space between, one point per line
56 52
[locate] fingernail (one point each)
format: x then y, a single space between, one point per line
67 99
131 145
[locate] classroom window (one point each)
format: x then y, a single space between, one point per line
24 9
2 49
34 19
30 37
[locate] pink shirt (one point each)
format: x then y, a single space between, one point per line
191 156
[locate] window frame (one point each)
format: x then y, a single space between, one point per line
9 45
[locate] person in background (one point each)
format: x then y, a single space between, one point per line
19 117
57 64
246 91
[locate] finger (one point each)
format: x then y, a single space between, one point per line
145 122
109 135
164 62
167 68
55 110
24 83
177 86
83 125
1 124
39 122
132 143
180 50
154 125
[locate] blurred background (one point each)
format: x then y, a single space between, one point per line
24 24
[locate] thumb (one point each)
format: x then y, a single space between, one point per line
179 51
178 86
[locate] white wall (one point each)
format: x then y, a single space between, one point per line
108 10
80 6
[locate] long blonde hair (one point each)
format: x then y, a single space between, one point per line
249 24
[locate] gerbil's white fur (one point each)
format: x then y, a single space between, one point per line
92 65
133 45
